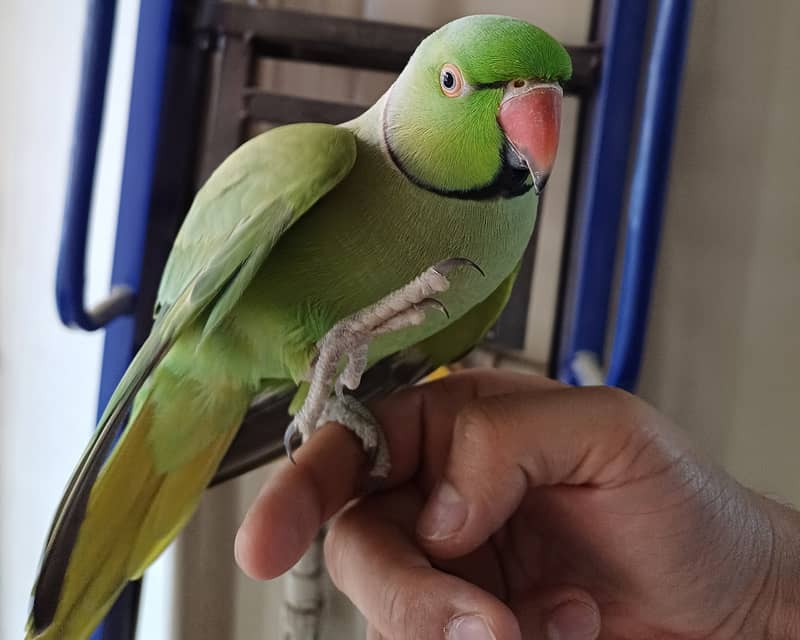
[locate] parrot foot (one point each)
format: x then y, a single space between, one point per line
406 307
356 418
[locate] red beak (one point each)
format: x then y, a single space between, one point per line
530 116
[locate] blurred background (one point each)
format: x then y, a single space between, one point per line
722 344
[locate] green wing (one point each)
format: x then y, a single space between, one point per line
236 219
260 191
247 204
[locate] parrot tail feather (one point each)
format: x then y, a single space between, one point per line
137 505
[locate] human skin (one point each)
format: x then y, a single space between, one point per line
518 507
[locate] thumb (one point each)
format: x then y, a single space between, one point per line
558 613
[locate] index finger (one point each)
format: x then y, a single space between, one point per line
331 466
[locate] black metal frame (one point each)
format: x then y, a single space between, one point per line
209 104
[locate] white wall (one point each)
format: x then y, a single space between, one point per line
48 376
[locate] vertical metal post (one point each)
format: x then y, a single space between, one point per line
231 74
606 170
584 336
137 177
648 189
70 275
140 151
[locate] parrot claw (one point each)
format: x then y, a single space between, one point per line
433 303
446 266
290 440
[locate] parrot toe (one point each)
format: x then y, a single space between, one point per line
446 266
356 418
433 303
291 440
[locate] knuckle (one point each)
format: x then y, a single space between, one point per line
628 410
633 428
478 428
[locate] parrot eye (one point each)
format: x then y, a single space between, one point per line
451 80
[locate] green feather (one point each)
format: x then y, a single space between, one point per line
455 144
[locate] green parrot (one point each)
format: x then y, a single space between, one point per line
311 253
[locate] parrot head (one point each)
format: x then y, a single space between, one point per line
477 111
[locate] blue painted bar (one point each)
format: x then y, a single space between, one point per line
648 189
140 156
599 211
86 135
137 177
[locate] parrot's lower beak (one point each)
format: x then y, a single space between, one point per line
530 115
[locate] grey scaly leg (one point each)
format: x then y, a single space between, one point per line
350 338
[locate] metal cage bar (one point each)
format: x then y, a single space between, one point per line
648 190
583 347
605 177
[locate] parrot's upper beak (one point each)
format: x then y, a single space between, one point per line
530 115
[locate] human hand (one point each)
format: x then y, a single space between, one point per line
518 507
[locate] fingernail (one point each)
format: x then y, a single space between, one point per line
445 514
573 620
468 627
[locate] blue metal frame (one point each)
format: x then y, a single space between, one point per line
586 322
140 152
88 123
134 205
648 189
149 68
606 169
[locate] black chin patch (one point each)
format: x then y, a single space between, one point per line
511 181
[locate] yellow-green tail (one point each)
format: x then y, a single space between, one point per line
146 491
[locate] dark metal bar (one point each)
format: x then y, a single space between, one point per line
648 189
282 109
230 74
362 44
578 180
